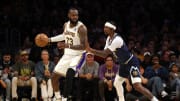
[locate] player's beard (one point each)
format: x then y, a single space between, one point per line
73 22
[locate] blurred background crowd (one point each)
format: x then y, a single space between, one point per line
149 27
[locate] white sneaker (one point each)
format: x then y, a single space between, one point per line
164 93
58 100
7 100
64 99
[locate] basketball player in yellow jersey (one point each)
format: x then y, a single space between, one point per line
75 36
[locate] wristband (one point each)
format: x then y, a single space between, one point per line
49 40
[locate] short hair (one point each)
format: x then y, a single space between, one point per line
155 55
110 56
72 8
6 53
45 50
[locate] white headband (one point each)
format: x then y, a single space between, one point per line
107 24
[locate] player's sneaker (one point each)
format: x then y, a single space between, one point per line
70 98
163 94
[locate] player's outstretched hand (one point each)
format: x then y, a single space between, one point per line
88 48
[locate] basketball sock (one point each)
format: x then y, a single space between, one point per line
154 99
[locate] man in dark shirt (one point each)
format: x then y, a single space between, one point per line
24 75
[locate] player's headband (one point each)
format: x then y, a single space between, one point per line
108 24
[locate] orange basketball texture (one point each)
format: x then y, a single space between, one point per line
41 40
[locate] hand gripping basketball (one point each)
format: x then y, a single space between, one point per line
41 40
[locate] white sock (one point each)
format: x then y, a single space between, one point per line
57 95
154 99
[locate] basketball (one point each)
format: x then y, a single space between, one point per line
41 40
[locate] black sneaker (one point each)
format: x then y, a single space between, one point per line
33 99
165 98
70 98
14 99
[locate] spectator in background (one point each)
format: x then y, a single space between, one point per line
43 71
107 73
131 45
2 87
173 59
177 51
147 60
174 77
156 73
24 76
165 52
151 46
89 78
6 67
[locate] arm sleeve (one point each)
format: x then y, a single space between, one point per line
57 38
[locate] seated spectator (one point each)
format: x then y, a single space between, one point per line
6 73
24 76
147 60
89 79
107 73
43 71
175 80
2 86
156 77
173 59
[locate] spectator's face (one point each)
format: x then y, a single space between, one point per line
73 16
155 60
6 58
175 68
165 56
90 58
45 55
109 62
147 58
173 58
131 45
24 57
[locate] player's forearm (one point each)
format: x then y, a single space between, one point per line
82 76
102 54
57 38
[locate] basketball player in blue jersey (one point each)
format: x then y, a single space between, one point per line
128 62
75 36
